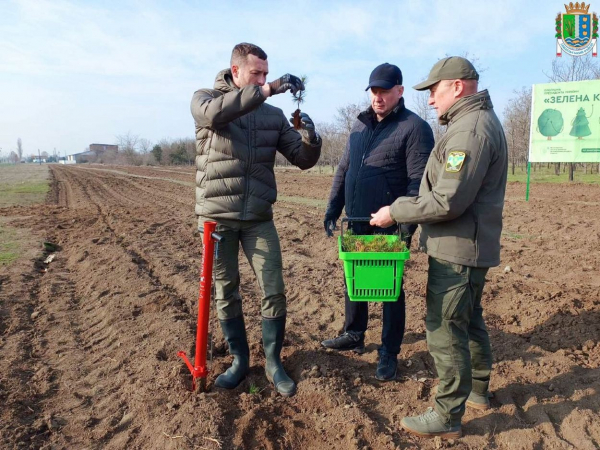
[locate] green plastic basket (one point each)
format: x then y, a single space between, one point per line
373 276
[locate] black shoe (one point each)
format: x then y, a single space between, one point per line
346 341
386 367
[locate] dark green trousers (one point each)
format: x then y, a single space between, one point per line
456 335
260 243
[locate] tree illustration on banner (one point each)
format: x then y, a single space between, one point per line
580 124
550 123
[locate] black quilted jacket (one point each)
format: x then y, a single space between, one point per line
382 161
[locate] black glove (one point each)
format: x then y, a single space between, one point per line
308 127
288 81
329 224
407 231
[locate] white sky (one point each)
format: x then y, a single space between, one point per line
74 73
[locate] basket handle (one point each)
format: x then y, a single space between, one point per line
352 219
361 219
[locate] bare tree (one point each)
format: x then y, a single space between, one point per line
421 106
190 148
346 116
14 158
20 148
334 142
128 141
335 135
427 113
132 157
128 144
570 68
144 146
517 121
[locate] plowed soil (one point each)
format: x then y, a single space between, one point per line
88 348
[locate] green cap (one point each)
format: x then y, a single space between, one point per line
452 68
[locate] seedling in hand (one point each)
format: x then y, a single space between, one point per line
299 98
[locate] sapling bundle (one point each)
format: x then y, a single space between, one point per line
379 243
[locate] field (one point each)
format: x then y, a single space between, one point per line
23 184
546 174
88 348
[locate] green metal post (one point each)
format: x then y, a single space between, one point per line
528 174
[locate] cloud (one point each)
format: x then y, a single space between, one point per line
117 60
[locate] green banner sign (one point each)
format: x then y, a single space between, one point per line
565 122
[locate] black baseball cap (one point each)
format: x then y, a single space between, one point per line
385 76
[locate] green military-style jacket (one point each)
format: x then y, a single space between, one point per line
461 197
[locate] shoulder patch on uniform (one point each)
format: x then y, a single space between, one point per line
455 161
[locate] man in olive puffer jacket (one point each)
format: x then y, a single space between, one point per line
237 137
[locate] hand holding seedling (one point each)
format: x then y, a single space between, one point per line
306 124
288 81
300 120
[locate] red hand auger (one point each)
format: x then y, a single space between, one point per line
199 369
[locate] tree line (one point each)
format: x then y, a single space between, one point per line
134 150
137 151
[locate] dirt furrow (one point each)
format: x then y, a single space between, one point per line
120 301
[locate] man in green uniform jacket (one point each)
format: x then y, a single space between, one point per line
237 138
459 208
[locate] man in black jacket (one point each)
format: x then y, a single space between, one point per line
384 159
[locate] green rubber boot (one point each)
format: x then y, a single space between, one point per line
273 332
234 331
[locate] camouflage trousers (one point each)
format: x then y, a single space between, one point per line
456 335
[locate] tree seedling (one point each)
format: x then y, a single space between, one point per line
299 98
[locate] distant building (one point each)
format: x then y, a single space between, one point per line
94 153
68 160
83 157
101 148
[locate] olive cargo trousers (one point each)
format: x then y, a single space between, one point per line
260 244
456 335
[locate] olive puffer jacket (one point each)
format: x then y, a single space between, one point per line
237 137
